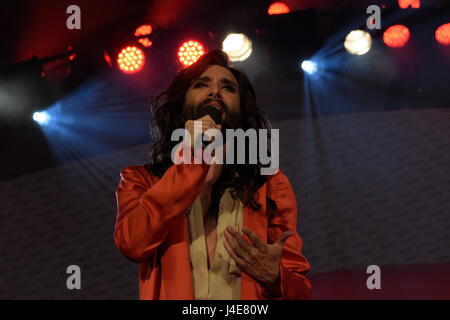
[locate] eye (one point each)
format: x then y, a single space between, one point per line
200 84
230 88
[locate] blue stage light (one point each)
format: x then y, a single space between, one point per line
42 117
309 67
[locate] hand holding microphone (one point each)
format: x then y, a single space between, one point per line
214 113
215 169
210 117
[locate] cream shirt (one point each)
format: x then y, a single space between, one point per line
223 280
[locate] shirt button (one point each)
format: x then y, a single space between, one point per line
222 207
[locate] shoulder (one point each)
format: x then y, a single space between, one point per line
278 179
278 185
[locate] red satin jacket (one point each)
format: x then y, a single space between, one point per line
151 229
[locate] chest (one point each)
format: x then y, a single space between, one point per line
210 229
211 240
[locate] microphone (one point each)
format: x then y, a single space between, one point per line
215 114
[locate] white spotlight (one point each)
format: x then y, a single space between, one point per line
309 66
237 46
358 42
43 118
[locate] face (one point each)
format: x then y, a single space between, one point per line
217 87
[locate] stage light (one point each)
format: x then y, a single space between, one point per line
406 3
143 30
131 59
309 66
108 59
189 52
442 34
358 42
396 36
145 42
278 8
237 46
41 117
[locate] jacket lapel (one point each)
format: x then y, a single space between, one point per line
175 263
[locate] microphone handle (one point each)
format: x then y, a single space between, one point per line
214 113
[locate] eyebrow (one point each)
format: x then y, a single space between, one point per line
223 80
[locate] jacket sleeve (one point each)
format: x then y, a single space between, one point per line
293 282
144 212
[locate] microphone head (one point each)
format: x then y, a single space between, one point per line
213 112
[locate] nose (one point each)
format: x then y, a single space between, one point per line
214 92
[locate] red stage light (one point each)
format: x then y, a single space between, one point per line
108 59
143 30
442 34
396 36
131 59
189 52
278 8
145 42
406 3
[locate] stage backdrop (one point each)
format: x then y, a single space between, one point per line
372 188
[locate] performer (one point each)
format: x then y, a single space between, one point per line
209 231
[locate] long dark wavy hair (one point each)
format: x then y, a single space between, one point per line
244 180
